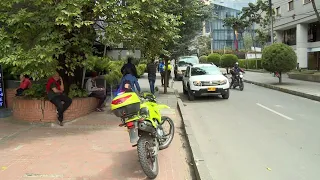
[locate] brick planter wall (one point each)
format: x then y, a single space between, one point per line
10 93
44 111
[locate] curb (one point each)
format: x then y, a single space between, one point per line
201 170
292 92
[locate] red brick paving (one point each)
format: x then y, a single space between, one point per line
91 148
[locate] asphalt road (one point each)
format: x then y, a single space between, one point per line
257 134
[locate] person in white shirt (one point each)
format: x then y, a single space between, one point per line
94 91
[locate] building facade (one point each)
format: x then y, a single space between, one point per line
296 24
222 36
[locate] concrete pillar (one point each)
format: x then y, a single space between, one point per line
302 43
279 36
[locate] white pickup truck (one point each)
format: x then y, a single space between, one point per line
182 64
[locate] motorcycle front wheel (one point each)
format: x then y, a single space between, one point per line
168 137
148 161
241 85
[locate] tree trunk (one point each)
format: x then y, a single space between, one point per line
280 77
166 75
315 9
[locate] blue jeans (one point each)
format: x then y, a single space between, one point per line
152 82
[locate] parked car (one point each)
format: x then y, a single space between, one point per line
182 64
205 80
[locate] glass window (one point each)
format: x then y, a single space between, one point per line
306 1
278 11
187 60
290 3
289 36
314 32
205 70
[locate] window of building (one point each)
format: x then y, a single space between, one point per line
278 11
290 3
289 36
306 1
314 32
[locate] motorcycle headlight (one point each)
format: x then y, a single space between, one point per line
241 76
197 83
179 72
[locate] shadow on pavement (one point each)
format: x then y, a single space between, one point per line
184 98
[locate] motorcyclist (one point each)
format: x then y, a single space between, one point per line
236 70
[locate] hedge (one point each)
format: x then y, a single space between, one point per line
251 63
215 58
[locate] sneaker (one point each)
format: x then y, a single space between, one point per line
99 110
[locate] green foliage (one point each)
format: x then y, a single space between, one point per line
114 75
279 57
38 37
228 60
203 59
141 68
202 43
97 64
75 91
37 91
215 58
192 13
250 63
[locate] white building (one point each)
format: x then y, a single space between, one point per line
297 25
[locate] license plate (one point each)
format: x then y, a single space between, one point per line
212 89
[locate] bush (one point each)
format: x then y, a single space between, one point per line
215 58
250 63
141 68
114 75
228 60
76 91
279 58
37 91
203 59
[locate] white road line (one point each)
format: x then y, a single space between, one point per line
284 116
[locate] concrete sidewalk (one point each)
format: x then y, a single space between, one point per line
310 90
92 147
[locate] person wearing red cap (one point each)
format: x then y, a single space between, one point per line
94 91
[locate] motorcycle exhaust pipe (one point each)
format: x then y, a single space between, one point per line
146 126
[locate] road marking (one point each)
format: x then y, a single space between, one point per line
18 147
284 116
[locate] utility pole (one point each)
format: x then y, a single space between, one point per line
271 20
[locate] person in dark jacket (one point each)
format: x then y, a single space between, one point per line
152 75
130 66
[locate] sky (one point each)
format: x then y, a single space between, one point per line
235 4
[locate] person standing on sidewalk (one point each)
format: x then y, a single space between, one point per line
55 91
152 74
168 73
161 70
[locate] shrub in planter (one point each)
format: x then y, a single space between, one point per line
215 58
203 59
250 63
37 91
75 91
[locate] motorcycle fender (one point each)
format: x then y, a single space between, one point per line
162 106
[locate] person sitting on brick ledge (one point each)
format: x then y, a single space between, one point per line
55 89
24 84
94 91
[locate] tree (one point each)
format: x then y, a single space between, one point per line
279 58
40 36
192 14
228 60
215 58
262 37
202 43
237 24
247 42
315 9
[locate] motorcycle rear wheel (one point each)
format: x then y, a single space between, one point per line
148 161
170 135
